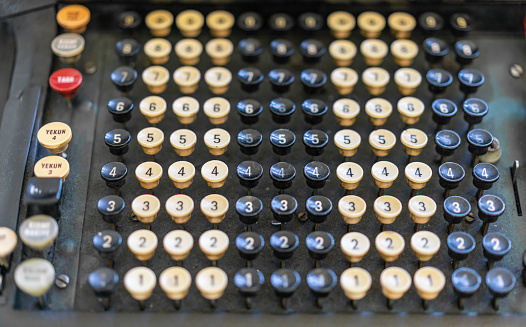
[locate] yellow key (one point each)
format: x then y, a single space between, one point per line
178 244
425 245
371 24
355 283
151 140
175 282
341 24
421 209
188 51
350 174
217 140
417 174
52 166
180 208
74 18
217 109
218 79
156 78
8 242
214 173
389 245
159 22
146 207
373 51
183 141
344 79
153 108
404 51
395 283
140 283
352 208
187 79
429 282
213 243
378 110
54 137
346 111
149 173
375 80
158 50
211 282
410 109
401 24
347 141
384 174
220 23
387 208
190 22
414 141
342 52
381 141
214 207
182 174
186 109
142 243
219 50
407 80
355 246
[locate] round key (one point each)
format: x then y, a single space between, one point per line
401 24
384 174
249 173
159 22
466 282
443 111
183 141
249 111
52 166
321 281
217 109
175 282
249 281
470 80
103 282
114 174
190 22
213 243
381 141
220 23
350 174
341 24
404 51
500 282
421 209
280 22
120 109
214 173
495 246
355 282
180 208
250 49
249 244
319 244
124 78
68 47
249 141
378 110
446 142
67 81
153 108
373 51
127 50
149 173
107 243
186 109
438 80
315 142
250 21
151 140
491 207
451 174
285 282
342 52
129 20
465 52
155 78
429 282
214 207
355 246
347 141
178 244
158 50
187 79
8 240
283 244
431 22
344 79
250 79
456 208
312 79
395 282
312 50
142 243
407 80
413 140
346 111
314 110
282 141
182 174
371 24
34 276
318 208
146 207
425 245
460 245
410 109
316 174
387 208
140 283
352 208
484 175
435 50
73 18
217 140
281 79
111 207
54 137
461 23
281 50
211 281
219 50
218 79
417 174
375 80
282 174
188 51
474 110
283 207
479 141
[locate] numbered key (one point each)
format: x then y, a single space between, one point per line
249 281
281 110
375 80
417 174
342 52
461 23
140 283
250 79
281 50
355 246
120 109
156 78
407 80
474 110
151 140
213 243
355 282
465 52
284 243
466 282
219 50
484 176
312 80
321 282
111 207
495 247
341 24
190 22
188 51
395 282
220 23
346 111
446 142
384 174
281 79
387 208
491 207
187 80
316 174
371 24
249 141
378 110
315 142
280 22
103 282
283 207
312 50
401 24
413 141
146 207
381 141
373 51
350 174
431 22
450 174
142 243
319 244
153 108
55 137
218 80
159 22
250 49
470 80
183 141
175 282
180 208
158 51
389 246
108 244
114 174
459 247
285 282
249 245
456 208
500 283
149 173
214 172
429 282
282 175
249 173
438 80
344 79
282 141
178 244
313 111
217 109
214 207
425 245
352 209
404 52
410 109
182 174
217 140
249 111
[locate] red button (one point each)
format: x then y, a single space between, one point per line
66 82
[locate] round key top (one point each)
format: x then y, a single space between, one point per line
249 111
140 283
421 209
153 108
315 142
213 243
107 243
250 49
190 22
250 21
175 282
312 50
34 276
417 174
404 51
456 208
220 23
401 24
495 246
52 166
159 22
319 244
182 174
443 111
282 174
129 20
466 282
316 173
68 47
151 140
155 78
312 79
352 208
111 207
355 282
378 110
474 110
281 50
425 245
429 282
407 80
446 142
54 137
215 173
414 141
373 51
387 208
250 79
281 79
355 246
395 283
282 141
219 50
470 80
8 240
249 173
350 174
186 109
465 52
124 78
341 24
146 207
249 141
120 109
375 80
283 207
66 82
342 52
321 282
310 22
217 109
285 282
149 173
346 111
280 22
74 18
479 140
451 174
114 174
484 175
249 244
438 80
249 281
188 51
384 174
142 243
459 246
347 141
500 282
410 109
431 22
461 23
183 141
381 141
281 110
491 207
103 282
214 207
180 208
38 232
344 79
218 79
127 50
318 208
371 24
284 243
211 282
435 50
217 140
314 110
389 245
178 244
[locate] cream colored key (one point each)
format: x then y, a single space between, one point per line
425 245
371 24
350 174
384 174
347 141
183 141
389 245
373 51
404 52
151 140
401 24
217 109
214 173
211 282
417 174
220 23
414 141
153 108
218 79
410 109
342 52
344 79
187 79
355 246
146 207
407 80
395 282
375 80
214 207
186 109
387 208
52 166
8 242
140 283
158 50
156 79
142 243
378 111
341 24
35 277
149 173
54 137
38 232
182 174
213 243
429 282
352 208
381 141
355 283
421 209
190 22
175 282
219 50
180 208
178 244
346 111
188 51
68 47
217 140
159 22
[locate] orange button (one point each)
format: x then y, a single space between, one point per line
74 18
